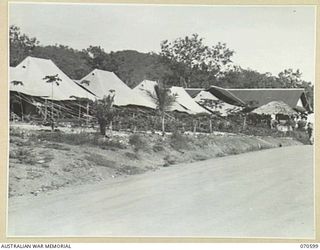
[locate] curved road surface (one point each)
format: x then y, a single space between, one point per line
260 194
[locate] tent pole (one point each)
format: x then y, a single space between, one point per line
244 122
46 110
195 127
79 110
52 118
87 120
21 106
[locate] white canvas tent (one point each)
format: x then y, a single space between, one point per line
101 82
27 78
205 97
148 86
185 100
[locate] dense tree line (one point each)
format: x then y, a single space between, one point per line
186 62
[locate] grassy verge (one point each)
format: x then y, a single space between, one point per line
43 161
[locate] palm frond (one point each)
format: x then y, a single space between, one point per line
52 79
15 83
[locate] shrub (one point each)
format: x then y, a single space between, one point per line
220 154
179 141
157 148
169 160
301 136
137 142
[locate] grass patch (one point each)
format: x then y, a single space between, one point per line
131 156
57 146
23 155
99 160
79 139
130 170
220 154
199 157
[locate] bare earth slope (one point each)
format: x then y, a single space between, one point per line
267 193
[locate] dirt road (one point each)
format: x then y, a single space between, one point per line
260 194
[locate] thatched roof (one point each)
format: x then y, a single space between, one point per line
275 107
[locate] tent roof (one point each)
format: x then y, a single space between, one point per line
184 103
185 100
31 71
202 94
258 97
213 104
101 82
148 86
193 92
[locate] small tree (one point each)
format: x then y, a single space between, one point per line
104 111
163 99
53 79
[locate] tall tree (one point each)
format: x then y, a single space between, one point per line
190 55
290 78
21 45
96 56
247 78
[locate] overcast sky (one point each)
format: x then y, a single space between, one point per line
267 39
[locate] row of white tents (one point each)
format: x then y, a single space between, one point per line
29 78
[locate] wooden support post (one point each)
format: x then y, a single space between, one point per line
210 126
52 116
21 107
195 127
79 111
87 120
244 122
45 110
